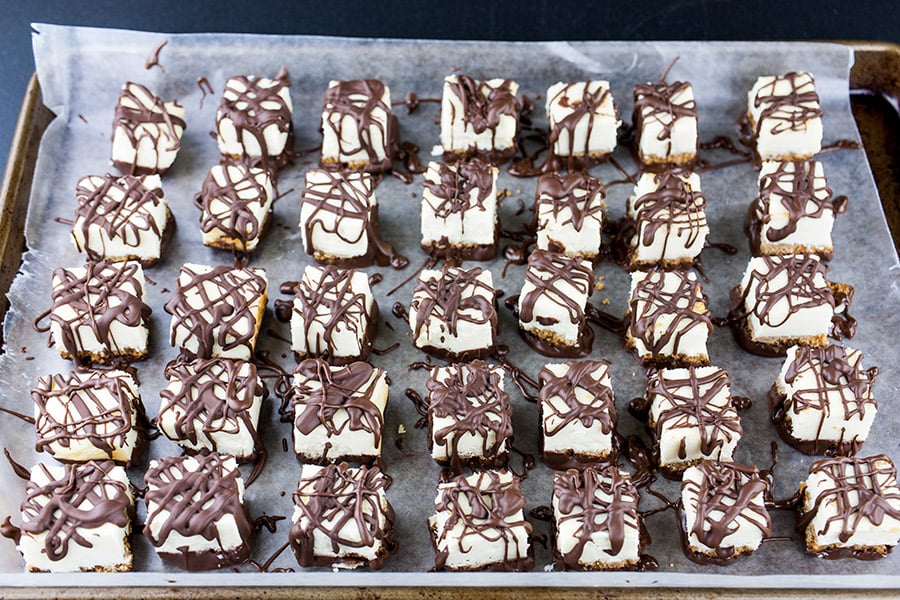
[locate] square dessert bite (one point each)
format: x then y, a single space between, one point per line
724 512
217 311
552 304
89 414
794 212
479 524
342 517
665 123
453 313
782 301
668 211
577 412
469 415
459 210
235 205
254 123
479 117
850 507
124 218
213 404
339 217
568 214
596 523
338 411
77 518
692 417
583 120
196 518
668 322
99 313
146 131
821 402
784 116
333 316
358 129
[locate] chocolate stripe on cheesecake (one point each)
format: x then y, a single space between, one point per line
360 99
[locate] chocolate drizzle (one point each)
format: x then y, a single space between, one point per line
832 382
253 105
211 400
582 395
482 105
347 506
93 299
660 106
583 110
372 143
603 500
338 400
100 408
442 301
123 209
727 498
469 400
484 508
191 496
787 111
858 492
148 124
547 278
672 296
86 497
331 202
231 197
213 310
153 59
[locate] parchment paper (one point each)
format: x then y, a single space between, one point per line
81 71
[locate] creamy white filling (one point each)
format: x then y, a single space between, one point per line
156 149
777 139
595 132
549 305
810 232
560 227
259 207
690 341
683 237
230 144
350 239
436 331
653 141
344 131
472 226
457 135
575 436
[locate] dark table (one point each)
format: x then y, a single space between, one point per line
484 19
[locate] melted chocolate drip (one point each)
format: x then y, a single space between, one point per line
20 471
265 566
412 101
18 415
205 88
269 522
153 59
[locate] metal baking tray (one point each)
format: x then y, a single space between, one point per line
875 89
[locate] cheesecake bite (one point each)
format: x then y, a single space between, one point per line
147 132
578 414
583 122
552 304
77 517
459 210
196 518
254 121
235 205
99 314
596 523
668 214
667 320
333 315
217 311
338 411
568 214
479 117
122 218
822 402
850 508
453 313
358 129
342 517
692 417
724 512
665 123
784 117
213 404
794 213
479 524
90 414
469 415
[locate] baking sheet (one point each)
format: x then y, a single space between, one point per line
81 70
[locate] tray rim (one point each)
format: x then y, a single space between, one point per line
876 70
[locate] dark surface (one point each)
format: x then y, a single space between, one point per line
486 19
